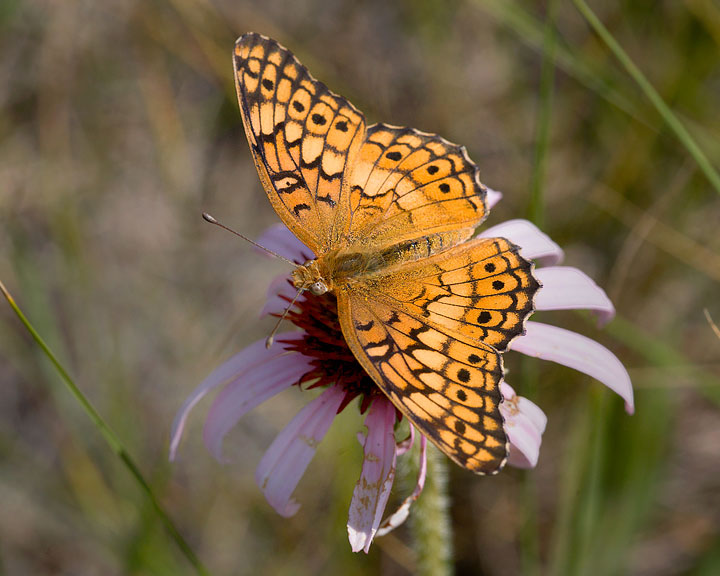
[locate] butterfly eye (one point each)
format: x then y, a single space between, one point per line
318 288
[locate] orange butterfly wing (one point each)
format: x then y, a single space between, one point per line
429 332
447 386
406 183
482 290
336 184
428 312
303 139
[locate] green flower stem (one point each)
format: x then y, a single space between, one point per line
663 109
430 519
110 437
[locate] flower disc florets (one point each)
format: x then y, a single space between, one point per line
332 360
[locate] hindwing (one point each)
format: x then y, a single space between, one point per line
447 387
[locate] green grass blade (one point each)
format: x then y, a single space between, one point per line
663 109
110 437
529 532
547 78
532 33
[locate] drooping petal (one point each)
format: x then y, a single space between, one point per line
398 517
524 443
249 389
372 491
279 289
288 457
406 444
492 198
566 288
533 412
579 352
524 424
279 239
253 355
534 244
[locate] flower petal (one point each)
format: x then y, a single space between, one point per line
406 444
492 198
524 443
279 239
288 457
250 388
401 514
524 424
254 354
579 352
372 491
566 288
534 244
533 412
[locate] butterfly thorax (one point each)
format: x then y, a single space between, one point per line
343 266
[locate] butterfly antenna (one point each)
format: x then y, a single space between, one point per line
271 338
213 220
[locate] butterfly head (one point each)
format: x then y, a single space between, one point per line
308 276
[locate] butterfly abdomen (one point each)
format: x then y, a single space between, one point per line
358 264
409 251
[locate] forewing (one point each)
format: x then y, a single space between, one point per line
302 136
405 181
447 386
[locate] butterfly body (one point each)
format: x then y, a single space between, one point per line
344 266
389 213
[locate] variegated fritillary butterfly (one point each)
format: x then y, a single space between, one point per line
389 212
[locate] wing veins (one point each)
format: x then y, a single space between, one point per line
472 221
467 323
445 330
432 327
437 421
397 197
434 157
280 69
425 386
453 359
345 175
261 149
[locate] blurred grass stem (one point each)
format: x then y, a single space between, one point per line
663 109
529 537
110 437
714 326
547 78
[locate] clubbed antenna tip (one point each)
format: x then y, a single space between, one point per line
208 218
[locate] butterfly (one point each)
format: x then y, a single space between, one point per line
390 213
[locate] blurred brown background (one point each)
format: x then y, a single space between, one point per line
119 125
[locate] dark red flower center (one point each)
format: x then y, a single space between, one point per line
332 360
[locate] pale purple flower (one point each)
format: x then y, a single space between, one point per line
317 357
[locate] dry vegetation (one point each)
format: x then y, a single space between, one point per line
118 126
